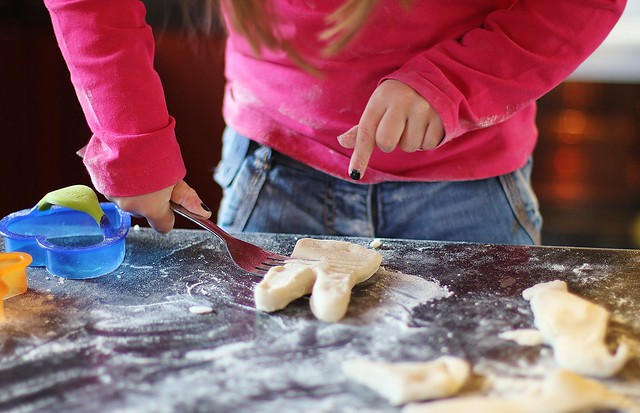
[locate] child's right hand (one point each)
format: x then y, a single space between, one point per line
155 205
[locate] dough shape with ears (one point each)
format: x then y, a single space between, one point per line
333 269
575 328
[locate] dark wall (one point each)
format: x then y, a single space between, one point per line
42 125
587 164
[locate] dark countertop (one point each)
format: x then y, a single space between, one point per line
127 342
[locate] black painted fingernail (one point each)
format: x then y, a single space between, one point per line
355 174
206 208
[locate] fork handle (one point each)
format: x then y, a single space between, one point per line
200 220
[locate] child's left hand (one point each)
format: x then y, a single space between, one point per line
396 115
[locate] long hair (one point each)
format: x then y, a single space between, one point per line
255 21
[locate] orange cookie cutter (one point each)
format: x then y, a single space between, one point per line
13 276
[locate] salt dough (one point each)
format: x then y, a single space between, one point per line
200 309
575 328
336 268
406 382
376 243
561 392
524 337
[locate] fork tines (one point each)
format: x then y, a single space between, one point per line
270 262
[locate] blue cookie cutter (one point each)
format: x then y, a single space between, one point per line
70 233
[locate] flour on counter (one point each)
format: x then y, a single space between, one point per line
581 269
137 335
396 295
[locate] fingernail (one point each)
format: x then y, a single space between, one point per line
206 208
355 174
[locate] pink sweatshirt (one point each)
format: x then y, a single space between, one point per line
481 65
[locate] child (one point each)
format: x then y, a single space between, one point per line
376 118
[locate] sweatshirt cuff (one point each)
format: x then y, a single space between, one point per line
131 165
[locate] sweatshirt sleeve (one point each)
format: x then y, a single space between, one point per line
515 57
109 50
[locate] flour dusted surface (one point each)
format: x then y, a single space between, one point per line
134 345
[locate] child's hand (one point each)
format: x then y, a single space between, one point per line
155 205
396 115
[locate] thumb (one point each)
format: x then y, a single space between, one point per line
161 220
348 139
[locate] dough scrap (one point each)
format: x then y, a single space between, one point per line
575 328
376 243
336 268
562 391
401 383
525 336
200 309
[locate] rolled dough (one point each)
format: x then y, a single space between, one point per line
575 328
407 382
328 269
561 392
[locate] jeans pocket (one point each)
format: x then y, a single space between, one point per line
241 175
523 200
234 152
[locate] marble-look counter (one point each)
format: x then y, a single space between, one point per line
128 342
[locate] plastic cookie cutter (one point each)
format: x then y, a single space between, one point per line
70 233
13 276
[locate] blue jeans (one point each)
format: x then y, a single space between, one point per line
266 191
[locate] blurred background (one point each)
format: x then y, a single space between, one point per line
587 163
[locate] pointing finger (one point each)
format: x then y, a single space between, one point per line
365 142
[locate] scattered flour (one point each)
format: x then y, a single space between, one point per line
397 293
581 269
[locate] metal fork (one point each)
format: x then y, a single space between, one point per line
247 256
